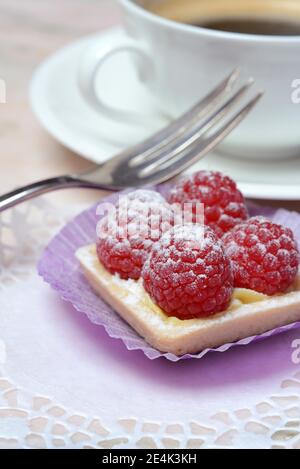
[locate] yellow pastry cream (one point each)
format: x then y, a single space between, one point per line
132 292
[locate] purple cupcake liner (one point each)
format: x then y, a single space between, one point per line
59 267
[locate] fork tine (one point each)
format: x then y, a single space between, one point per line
185 121
168 133
176 165
187 139
182 123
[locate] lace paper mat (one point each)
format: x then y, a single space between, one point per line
65 384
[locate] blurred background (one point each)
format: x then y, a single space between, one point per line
31 30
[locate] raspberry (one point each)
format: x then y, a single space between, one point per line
145 196
224 205
264 256
126 238
188 274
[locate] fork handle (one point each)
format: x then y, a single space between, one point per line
38 188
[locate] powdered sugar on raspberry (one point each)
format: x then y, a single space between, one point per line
188 274
224 204
127 236
264 256
145 196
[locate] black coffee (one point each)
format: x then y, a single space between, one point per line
270 27
266 17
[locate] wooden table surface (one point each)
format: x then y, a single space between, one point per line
31 30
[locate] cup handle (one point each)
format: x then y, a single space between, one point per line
92 61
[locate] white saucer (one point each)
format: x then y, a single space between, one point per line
56 101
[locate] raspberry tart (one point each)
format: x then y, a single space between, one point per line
191 289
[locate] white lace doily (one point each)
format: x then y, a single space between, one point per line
65 384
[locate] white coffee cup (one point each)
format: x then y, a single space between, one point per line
180 63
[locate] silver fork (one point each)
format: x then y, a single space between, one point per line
160 157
